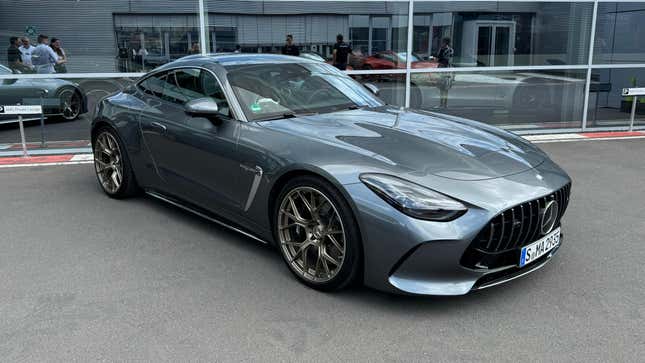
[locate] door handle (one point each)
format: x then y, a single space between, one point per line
159 126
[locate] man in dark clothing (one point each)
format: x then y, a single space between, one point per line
14 57
290 48
444 58
341 53
445 53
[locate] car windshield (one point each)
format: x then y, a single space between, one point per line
402 55
275 91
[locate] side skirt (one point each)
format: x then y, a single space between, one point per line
204 214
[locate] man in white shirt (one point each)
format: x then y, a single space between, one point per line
43 57
26 49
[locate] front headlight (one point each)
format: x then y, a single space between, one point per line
413 199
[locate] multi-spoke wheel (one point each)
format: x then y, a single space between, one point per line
111 165
70 104
317 234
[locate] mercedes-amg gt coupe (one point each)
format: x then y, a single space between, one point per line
296 154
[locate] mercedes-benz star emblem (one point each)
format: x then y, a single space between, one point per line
549 217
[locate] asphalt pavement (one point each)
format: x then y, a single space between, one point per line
87 278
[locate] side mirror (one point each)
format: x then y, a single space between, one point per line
205 107
372 88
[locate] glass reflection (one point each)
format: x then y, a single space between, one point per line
517 100
607 106
491 33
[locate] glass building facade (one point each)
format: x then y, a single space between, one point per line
528 66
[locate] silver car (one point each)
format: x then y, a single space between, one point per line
293 153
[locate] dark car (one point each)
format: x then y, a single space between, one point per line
298 155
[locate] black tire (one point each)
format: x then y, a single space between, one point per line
351 266
128 186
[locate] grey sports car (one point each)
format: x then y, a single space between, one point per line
61 98
298 155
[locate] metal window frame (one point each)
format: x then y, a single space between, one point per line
589 66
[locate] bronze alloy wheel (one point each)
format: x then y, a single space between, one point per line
108 162
311 234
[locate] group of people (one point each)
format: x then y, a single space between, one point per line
340 54
46 57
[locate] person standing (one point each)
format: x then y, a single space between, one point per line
60 52
341 52
195 49
14 58
289 48
43 57
25 50
444 60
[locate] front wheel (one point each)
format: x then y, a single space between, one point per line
112 166
71 104
317 234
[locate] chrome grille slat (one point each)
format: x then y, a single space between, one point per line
499 234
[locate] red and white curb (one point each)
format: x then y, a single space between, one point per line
86 158
46 160
611 135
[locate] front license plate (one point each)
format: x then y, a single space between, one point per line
540 247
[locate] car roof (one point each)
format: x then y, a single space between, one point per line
230 59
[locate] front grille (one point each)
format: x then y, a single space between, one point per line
520 225
498 243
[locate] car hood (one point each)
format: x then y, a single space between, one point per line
418 143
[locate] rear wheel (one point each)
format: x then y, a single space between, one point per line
317 234
112 166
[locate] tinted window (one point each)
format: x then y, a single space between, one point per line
153 85
185 85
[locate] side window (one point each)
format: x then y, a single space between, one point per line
189 84
183 85
211 88
171 90
154 85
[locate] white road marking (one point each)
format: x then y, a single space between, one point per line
82 157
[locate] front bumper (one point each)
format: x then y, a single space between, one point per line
410 256
412 278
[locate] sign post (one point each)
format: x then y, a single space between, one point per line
42 120
633 93
21 110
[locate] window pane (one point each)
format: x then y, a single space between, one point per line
368 27
502 33
102 36
620 33
515 100
607 106
391 86
28 92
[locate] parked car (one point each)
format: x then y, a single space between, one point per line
319 58
296 154
61 98
394 60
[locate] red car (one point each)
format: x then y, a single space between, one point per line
393 60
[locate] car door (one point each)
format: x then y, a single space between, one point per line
195 157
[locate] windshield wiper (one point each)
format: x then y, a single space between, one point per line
288 115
